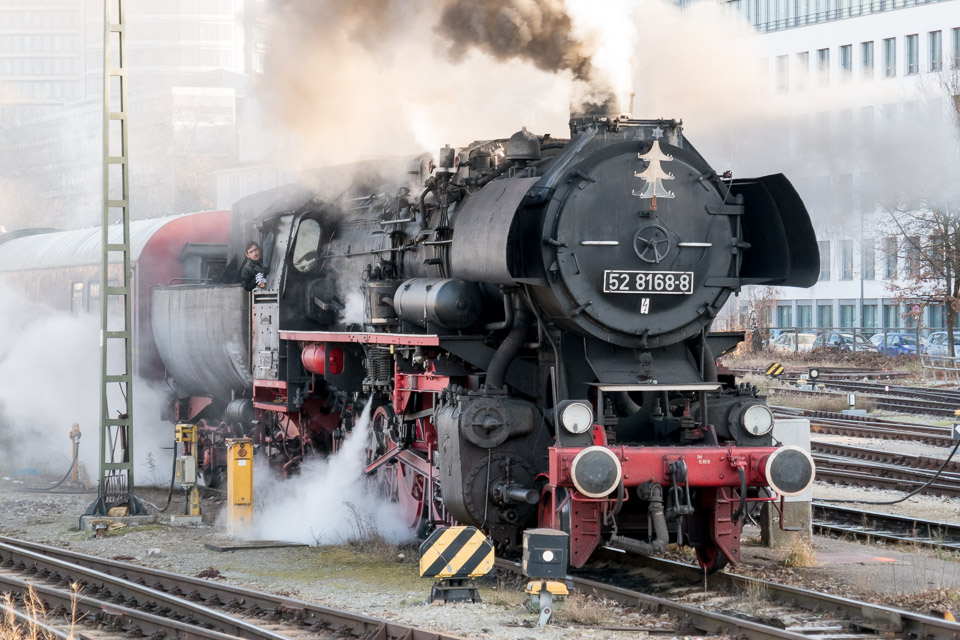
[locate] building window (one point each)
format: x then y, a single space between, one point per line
890 258
93 296
823 67
956 47
936 317
870 315
825 316
912 257
891 316
783 74
802 70
912 53
846 62
848 315
804 316
784 316
824 259
868 259
76 298
846 258
890 58
936 51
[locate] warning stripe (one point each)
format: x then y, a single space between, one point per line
459 551
774 369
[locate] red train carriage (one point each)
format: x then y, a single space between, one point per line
60 270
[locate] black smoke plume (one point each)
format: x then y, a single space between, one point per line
540 32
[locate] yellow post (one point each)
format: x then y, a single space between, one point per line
239 484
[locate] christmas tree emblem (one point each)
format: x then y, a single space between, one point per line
654 175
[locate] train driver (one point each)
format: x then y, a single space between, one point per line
251 273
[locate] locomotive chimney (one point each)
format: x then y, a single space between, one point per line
602 106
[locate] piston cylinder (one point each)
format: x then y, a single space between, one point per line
446 302
315 359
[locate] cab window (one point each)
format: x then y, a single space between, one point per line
305 256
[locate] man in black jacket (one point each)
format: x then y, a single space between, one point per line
251 273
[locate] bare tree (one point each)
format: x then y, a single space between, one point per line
927 222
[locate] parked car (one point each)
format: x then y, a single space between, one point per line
876 339
842 341
899 344
794 342
937 344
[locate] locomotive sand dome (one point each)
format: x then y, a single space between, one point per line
530 322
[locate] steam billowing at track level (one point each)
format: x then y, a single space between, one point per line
534 342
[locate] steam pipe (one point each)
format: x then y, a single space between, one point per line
515 494
508 349
507 322
661 535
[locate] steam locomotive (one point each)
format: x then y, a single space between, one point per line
529 318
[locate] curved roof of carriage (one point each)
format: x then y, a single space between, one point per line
56 249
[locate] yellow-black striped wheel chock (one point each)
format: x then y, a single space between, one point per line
774 369
456 552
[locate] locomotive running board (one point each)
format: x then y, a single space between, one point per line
413 339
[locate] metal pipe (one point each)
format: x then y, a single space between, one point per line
507 321
508 349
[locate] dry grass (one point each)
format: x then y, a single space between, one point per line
800 554
578 608
36 614
366 538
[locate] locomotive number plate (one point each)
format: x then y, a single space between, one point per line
666 282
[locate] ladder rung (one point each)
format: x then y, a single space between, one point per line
117 159
117 291
115 26
117 247
118 72
117 422
117 466
117 115
116 335
117 203
125 377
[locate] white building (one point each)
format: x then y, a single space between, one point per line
861 69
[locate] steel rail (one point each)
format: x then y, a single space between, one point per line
16 555
306 613
830 518
883 619
925 463
904 405
838 472
828 422
707 621
115 617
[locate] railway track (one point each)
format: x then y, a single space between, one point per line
901 404
833 423
831 519
127 600
845 464
727 603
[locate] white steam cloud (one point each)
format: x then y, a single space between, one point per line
329 502
50 367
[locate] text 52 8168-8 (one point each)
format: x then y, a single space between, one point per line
663 282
